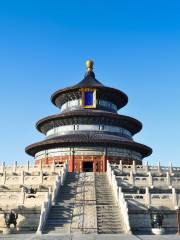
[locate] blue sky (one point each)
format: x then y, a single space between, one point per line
135 46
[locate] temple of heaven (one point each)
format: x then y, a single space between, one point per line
88 131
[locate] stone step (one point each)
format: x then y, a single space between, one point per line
60 204
60 208
55 228
99 195
105 200
110 231
109 216
106 226
62 195
113 223
103 209
103 191
60 215
104 203
108 212
103 194
109 228
65 194
58 221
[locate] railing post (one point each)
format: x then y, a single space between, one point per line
148 197
15 166
170 168
109 172
28 166
131 178
41 176
168 178
22 177
120 166
134 167
114 185
174 198
40 165
3 167
4 177
150 179
53 166
22 196
147 167
159 168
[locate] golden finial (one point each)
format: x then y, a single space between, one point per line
89 65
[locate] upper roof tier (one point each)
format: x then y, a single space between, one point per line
113 95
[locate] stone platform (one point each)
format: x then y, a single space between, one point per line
88 237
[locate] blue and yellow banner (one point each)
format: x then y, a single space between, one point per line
88 97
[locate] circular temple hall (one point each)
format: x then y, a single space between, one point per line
88 131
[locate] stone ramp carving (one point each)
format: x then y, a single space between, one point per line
84 214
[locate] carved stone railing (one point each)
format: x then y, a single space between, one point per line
119 198
45 208
145 168
167 180
57 186
167 200
15 168
46 205
153 200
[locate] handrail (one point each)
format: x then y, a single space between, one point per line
119 197
46 205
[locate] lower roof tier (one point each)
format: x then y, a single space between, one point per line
89 117
91 139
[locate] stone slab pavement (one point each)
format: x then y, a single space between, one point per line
88 237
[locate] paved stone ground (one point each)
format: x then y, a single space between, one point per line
88 237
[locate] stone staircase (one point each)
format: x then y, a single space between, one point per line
85 204
60 216
109 220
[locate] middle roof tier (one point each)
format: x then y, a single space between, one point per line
89 117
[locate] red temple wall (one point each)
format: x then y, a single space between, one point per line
75 163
